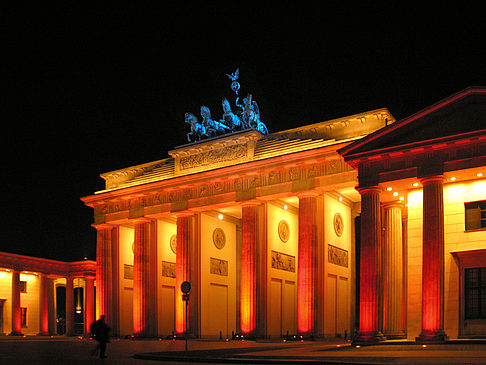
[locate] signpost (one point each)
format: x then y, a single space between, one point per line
185 289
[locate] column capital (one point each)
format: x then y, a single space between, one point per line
141 220
308 194
366 189
184 213
392 204
102 226
251 203
431 179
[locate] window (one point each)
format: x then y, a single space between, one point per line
23 287
475 215
23 317
475 292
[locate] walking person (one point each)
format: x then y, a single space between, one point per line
101 333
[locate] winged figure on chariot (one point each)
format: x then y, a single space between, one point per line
245 116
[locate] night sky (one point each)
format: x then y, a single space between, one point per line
88 89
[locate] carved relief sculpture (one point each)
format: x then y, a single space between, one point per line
283 231
219 238
338 224
282 261
218 267
173 243
337 256
168 269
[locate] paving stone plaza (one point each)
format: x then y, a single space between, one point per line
72 351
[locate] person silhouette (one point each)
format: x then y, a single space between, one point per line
101 333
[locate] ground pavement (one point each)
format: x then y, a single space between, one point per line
73 351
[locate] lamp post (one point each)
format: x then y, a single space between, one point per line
185 289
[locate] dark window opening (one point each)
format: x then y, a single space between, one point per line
23 287
475 215
475 292
23 317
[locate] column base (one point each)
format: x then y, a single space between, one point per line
395 335
432 337
369 338
15 333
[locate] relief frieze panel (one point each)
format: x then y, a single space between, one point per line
236 184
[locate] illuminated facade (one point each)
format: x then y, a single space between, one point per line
423 223
263 227
45 297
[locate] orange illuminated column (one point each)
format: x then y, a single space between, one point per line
370 267
43 305
16 314
248 297
104 271
89 306
182 268
393 272
307 266
141 276
69 306
433 261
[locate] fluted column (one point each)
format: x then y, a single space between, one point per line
104 272
433 261
16 314
89 306
43 306
51 306
69 306
141 277
182 267
307 266
248 288
393 272
370 267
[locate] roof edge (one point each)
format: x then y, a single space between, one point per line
347 150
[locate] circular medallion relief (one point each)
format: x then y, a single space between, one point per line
219 238
283 231
338 224
173 243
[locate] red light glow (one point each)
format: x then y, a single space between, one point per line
248 269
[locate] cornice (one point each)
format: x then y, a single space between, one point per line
221 174
46 266
346 151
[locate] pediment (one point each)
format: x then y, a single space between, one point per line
460 114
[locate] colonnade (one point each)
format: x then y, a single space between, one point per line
47 325
381 304
253 295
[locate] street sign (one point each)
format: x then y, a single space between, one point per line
186 287
185 297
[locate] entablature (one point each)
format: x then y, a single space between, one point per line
308 170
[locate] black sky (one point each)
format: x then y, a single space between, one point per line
89 88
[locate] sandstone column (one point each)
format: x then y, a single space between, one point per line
51 298
393 273
183 259
104 288
433 261
89 306
43 305
370 267
307 266
69 306
141 279
16 314
248 289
